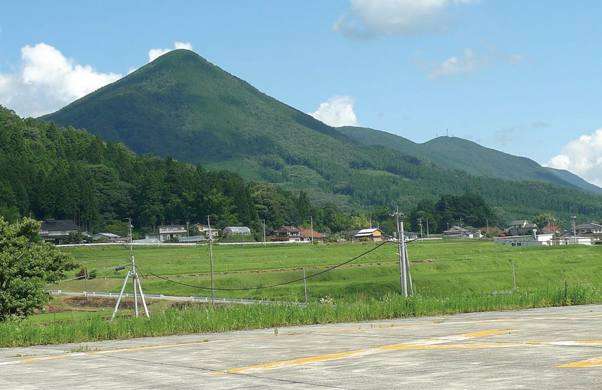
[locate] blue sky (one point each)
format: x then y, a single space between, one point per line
518 76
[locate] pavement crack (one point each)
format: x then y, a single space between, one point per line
209 370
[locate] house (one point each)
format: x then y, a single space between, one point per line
521 227
287 233
349 234
374 234
308 234
236 230
531 240
592 230
462 232
57 231
584 233
551 229
490 230
169 232
206 231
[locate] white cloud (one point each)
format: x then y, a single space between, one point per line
153 54
46 81
583 157
372 18
470 62
337 111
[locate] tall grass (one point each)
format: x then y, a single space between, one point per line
204 318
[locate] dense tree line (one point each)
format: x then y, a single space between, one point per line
47 171
465 210
51 172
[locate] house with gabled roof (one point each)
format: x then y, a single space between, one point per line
309 234
521 227
58 231
287 233
373 234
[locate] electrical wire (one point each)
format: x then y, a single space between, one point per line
270 286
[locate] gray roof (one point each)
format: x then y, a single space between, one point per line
53 225
588 226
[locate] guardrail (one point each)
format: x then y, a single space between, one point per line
170 297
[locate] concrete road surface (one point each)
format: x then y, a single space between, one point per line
556 348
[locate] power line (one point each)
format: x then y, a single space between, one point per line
273 285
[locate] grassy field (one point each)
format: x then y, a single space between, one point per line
439 269
450 276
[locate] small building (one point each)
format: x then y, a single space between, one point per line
236 230
105 237
348 234
591 230
520 227
462 232
57 231
213 232
551 229
287 233
530 240
374 234
169 232
308 234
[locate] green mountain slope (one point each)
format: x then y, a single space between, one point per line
470 157
182 106
575 180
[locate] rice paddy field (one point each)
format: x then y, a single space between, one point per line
449 276
440 268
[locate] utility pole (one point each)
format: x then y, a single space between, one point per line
401 249
263 231
305 285
420 223
407 263
574 229
311 218
427 227
513 276
211 260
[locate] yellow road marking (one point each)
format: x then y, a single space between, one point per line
101 352
486 333
419 345
44 358
584 363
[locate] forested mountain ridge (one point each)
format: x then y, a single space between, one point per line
470 157
180 105
47 171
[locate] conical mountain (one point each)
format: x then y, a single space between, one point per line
185 107
182 106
